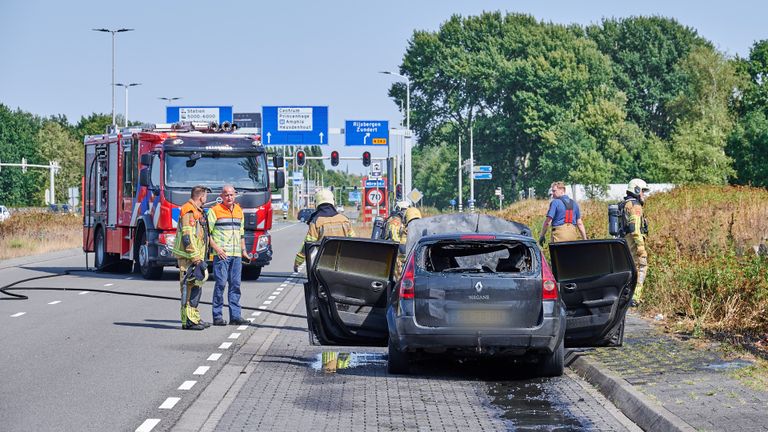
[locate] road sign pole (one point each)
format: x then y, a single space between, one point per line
472 171
461 206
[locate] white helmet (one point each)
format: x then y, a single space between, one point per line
402 205
324 196
637 185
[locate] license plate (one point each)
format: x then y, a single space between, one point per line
481 317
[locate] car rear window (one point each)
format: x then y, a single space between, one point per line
456 256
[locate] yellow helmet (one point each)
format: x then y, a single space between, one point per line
637 185
411 214
323 196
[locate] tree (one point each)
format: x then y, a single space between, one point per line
57 144
645 53
18 139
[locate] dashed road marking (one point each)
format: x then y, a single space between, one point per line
256 313
271 297
55 302
266 302
186 385
83 292
234 336
243 327
201 370
108 284
276 293
170 403
16 315
214 357
225 345
280 289
262 307
148 425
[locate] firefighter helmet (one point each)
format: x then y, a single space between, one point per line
323 196
411 214
402 205
637 185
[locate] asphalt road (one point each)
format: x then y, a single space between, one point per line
88 361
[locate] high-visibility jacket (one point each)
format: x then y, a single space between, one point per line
191 233
227 227
325 226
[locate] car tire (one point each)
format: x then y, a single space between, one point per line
102 260
398 362
553 365
148 271
251 273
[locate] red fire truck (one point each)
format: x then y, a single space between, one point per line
136 180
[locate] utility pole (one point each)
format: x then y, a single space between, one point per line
471 171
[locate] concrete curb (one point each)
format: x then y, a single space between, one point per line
646 413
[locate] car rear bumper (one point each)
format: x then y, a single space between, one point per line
543 339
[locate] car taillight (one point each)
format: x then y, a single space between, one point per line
548 283
407 283
477 237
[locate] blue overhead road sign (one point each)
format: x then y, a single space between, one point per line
294 125
482 176
219 114
366 132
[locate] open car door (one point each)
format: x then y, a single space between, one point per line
348 280
597 279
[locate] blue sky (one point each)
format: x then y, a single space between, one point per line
254 53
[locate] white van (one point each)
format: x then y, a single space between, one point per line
4 213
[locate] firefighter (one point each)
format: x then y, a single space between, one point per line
324 222
226 224
395 221
411 214
634 229
190 248
564 215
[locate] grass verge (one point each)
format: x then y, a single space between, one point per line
34 233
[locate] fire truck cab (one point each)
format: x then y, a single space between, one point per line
137 179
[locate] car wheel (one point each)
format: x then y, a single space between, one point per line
552 365
617 338
148 271
102 259
398 363
251 273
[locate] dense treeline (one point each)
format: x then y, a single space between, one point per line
634 97
40 140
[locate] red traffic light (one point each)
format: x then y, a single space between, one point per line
366 159
301 158
334 158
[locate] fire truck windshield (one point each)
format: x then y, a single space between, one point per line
215 170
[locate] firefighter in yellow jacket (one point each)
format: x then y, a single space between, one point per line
324 222
635 228
401 236
190 248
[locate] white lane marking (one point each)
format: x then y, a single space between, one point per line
214 356
225 345
109 284
148 425
243 327
186 385
280 289
285 227
83 292
201 370
284 284
234 336
256 313
129 278
262 307
272 297
55 302
17 314
266 302
276 293
170 403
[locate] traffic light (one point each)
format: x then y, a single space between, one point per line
399 192
366 159
301 158
334 158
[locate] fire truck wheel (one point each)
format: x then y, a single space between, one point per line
148 271
251 272
102 259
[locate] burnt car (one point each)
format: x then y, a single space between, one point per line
472 285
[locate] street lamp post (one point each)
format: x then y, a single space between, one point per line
127 86
406 157
169 99
104 30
